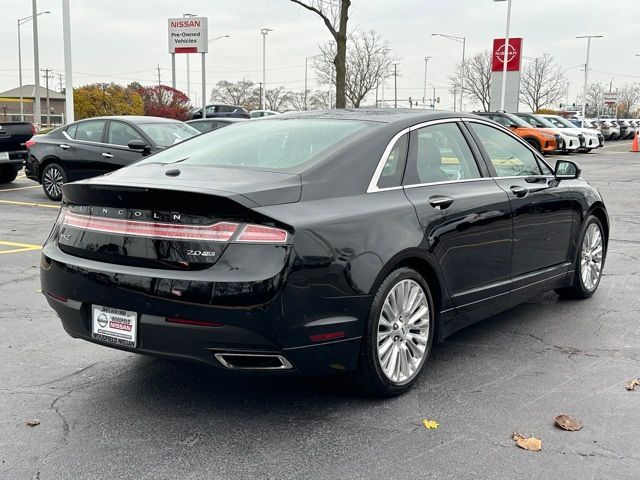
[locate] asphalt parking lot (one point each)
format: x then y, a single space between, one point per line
109 414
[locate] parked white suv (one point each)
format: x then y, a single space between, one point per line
592 138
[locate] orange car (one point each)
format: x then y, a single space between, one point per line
542 139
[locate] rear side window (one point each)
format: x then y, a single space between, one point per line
509 157
393 169
439 153
290 145
90 131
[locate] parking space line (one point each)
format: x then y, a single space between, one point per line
22 247
18 188
29 204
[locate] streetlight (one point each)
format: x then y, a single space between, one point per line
264 32
22 21
306 65
505 55
188 15
586 74
463 41
424 93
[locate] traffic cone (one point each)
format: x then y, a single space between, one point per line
634 145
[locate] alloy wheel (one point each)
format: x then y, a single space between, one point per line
591 257
403 331
53 181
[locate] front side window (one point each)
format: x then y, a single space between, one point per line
509 157
439 153
121 133
89 131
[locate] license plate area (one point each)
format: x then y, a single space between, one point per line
4 156
114 325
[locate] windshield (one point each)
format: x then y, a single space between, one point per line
560 122
538 121
165 134
275 144
517 120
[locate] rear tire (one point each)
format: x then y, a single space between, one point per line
399 334
53 177
589 261
534 143
8 176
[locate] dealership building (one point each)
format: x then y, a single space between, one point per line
10 105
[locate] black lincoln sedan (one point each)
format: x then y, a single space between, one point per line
96 146
321 242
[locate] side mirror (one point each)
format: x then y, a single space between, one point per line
514 125
567 170
138 145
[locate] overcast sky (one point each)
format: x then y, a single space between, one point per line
122 41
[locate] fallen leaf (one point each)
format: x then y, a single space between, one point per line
633 384
567 422
33 423
430 424
531 443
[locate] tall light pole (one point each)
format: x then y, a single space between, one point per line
37 117
187 15
505 56
204 87
424 92
264 32
586 74
463 41
306 66
68 71
22 21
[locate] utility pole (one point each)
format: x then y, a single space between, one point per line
395 85
37 113
60 82
68 71
158 75
306 62
264 32
424 93
47 75
586 74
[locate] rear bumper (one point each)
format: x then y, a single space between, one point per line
273 327
16 160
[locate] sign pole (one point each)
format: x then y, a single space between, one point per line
173 70
505 59
68 71
204 88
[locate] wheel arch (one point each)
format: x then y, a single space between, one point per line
47 161
430 271
533 141
599 211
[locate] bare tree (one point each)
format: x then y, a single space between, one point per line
318 100
628 100
295 100
335 15
368 61
595 98
477 79
542 82
234 93
276 98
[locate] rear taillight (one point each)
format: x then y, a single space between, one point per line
262 234
218 232
29 143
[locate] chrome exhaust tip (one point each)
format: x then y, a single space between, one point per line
253 361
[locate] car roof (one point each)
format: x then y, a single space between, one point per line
218 119
398 116
134 119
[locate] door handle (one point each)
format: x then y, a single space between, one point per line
519 191
440 202
64 146
107 155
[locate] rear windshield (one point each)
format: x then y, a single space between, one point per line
289 145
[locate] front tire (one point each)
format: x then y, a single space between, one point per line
399 334
589 261
53 177
534 143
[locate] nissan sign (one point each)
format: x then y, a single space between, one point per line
188 35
